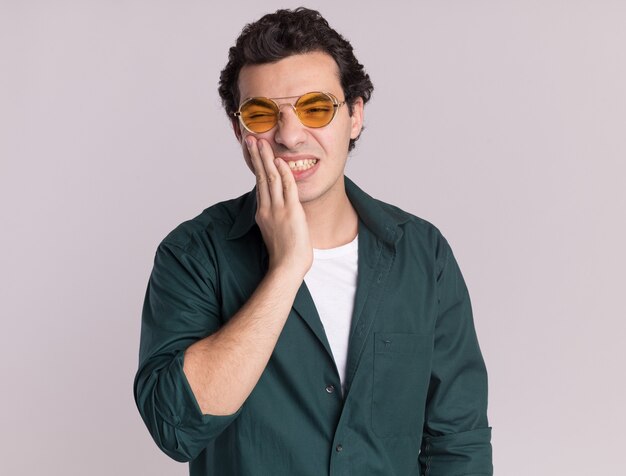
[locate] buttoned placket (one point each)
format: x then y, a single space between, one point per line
375 261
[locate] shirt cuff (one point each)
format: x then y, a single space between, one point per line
465 454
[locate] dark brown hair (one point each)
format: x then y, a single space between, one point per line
290 32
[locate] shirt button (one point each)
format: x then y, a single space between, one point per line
339 448
330 388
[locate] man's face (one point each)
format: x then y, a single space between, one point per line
290 139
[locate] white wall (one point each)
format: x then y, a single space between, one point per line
502 122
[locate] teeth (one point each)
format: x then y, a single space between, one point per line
300 165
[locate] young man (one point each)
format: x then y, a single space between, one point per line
305 328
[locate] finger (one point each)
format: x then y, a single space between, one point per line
290 188
274 181
263 194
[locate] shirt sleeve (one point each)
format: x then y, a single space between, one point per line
457 438
180 307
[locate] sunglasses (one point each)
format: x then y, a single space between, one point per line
315 109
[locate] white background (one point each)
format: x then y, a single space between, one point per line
502 122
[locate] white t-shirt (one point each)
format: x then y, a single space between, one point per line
332 284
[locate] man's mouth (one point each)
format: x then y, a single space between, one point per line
300 165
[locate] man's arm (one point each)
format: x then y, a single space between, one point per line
223 368
187 398
456 432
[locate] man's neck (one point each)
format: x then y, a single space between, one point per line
332 220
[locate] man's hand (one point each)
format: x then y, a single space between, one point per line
280 215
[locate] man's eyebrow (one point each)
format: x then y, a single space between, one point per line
310 100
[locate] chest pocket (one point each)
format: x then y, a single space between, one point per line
402 365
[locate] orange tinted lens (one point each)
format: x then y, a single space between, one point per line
315 109
259 114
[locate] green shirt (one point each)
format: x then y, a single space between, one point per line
416 384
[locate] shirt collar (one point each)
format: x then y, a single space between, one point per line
381 219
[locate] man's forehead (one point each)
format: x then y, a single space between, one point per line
290 76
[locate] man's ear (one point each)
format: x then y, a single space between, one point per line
236 129
357 118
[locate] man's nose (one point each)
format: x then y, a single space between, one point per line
290 132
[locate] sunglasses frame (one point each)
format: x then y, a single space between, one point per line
336 105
